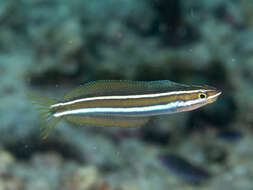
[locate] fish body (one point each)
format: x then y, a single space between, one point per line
126 103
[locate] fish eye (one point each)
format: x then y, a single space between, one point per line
202 95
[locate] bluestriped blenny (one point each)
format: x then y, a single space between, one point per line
122 103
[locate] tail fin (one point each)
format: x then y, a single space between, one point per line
43 106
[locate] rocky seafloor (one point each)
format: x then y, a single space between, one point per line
49 47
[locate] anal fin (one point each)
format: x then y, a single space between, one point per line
108 121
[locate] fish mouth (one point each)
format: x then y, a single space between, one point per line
213 96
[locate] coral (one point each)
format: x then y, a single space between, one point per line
58 44
105 186
12 183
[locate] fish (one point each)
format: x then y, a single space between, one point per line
230 135
121 103
184 169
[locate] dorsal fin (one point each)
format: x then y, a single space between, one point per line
121 87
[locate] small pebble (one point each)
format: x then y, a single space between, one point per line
85 178
6 159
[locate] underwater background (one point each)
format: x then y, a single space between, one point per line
52 46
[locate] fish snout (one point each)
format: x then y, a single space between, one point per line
213 95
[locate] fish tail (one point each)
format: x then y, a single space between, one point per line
43 105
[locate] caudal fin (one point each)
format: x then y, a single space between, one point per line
43 106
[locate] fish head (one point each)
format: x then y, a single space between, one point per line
208 94
198 96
